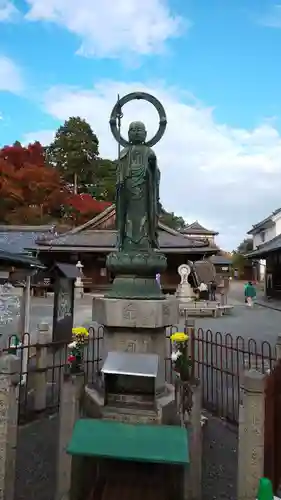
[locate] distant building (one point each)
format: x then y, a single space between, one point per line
195 230
266 254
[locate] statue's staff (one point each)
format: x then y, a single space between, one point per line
119 187
119 116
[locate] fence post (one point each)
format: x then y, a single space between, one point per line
251 435
278 347
71 393
40 382
9 379
193 485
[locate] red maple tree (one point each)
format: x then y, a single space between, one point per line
30 190
82 207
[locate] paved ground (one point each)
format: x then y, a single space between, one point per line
260 323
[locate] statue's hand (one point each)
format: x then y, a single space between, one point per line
152 160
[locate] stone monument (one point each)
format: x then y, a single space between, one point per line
135 313
185 292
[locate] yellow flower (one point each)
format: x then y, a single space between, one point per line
179 337
80 331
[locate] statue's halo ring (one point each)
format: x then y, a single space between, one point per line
136 96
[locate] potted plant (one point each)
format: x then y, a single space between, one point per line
76 349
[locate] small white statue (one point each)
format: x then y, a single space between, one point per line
184 271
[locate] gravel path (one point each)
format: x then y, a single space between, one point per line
220 456
36 460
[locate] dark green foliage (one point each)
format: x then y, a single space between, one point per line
245 246
172 220
104 182
74 151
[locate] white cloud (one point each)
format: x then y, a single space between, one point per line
10 76
43 136
272 18
8 11
110 28
226 178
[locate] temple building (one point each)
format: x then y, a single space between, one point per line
91 242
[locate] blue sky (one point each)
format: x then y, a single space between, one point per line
214 64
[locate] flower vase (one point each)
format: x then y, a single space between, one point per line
184 396
75 363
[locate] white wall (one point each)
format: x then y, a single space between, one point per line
269 234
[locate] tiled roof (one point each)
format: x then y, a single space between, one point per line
106 239
266 248
15 258
265 223
18 238
93 235
196 228
220 260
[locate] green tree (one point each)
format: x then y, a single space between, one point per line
74 152
239 260
245 246
172 220
104 182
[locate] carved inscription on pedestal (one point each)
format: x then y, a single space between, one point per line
166 310
131 346
129 312
148 318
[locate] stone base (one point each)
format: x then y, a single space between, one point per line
185 293
78 292
137 326
134 313
164 413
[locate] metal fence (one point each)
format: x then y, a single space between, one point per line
54 367
219 361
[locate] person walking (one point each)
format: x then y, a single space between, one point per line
250 293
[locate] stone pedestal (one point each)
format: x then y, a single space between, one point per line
71 392
184 291
137 326
10 367
251 435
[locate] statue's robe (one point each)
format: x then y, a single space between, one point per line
137 199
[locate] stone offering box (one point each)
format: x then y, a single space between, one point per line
130 379
129 391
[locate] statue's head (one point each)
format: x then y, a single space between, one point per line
137 133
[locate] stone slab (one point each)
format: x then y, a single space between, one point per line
147 314
164 413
